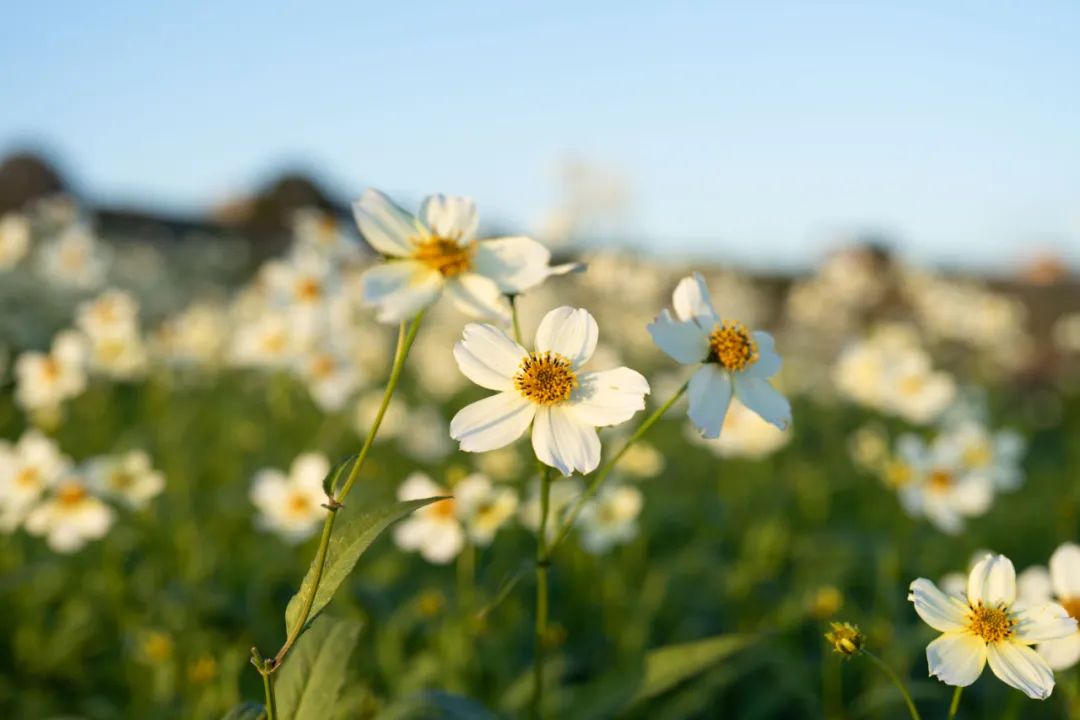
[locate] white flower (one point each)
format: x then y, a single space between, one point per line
641 460
483 507
291 505
196 336
988 624
434 530
744 434
27 469
733 360
439 252
561 493
1062 584
14 239
995 456
332 378
112 313
933 483
546 388
75 259
267 341
45 380
317 231
129 477
70 517
610 518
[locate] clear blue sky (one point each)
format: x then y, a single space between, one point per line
750 134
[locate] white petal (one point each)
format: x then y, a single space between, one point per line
691 302
1061 654
938 610
443 542
1022 668
973 495
417 486
1033 585
385 226
409 534
1065 570
479 296
1045 621
515 263
564 442
493 422
684 342
450 217
569 332
488 356
710 395
609 397
956 658
992 581
760 396
768 362
400 289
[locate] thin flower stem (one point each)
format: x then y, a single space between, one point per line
541 594
406 337
268 690
605 470
514 316
955 705
899 684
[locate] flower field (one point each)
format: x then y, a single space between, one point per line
404 469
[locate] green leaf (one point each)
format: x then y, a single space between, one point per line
247 711
668 666
351 537
341 470
310 679
437 705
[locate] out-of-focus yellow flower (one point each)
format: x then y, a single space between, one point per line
826 601
846 639
155 646
203 670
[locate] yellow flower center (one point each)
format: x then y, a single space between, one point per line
546 378
121 480
299 504
442 510
50 369
939 480
1072 606
445 255
308 289
731 346
978 455
897 473
992 624
28 477
322 367
71 494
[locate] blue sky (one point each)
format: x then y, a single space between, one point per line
754 134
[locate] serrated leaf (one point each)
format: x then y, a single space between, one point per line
437 705
668 666
247 711
341 470
311 677
351 537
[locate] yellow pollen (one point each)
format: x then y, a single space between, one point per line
992 624
308 289
28 477
897 474
322 367
978 455
71 494
939 480
299 504
731 346
121 480
443 510
445 255
546 378
50 368
1072 606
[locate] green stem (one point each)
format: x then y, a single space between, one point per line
955 704
514 316
900 684
605 470
406 337
541 594
268 689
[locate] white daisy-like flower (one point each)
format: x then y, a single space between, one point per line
129 477
744 434
546 388
610 518
933 483
734 361
317 231
989 625
112 313
70 517
75 259
291 505
267 341
433 530
27 469
1062 585
483 507
438 252
196 336
14 239
994 455
45 380
332 378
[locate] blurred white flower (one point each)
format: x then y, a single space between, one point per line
483 507
45 380
610 518
113 312
14 239
196 336
734 361
74 259
129 477
267 341
995 456
1062 585
291 505
394 421
27 469
439 252
933 483
546 388
744 434
561 493
641 460
332 378
434 530
427 439
70 516
502 464
989 625
320 232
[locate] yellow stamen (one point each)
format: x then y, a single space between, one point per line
992 624
939 480
1072 606
546 378
71 494
732 347
445 255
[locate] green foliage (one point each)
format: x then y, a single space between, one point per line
310 679
246 711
